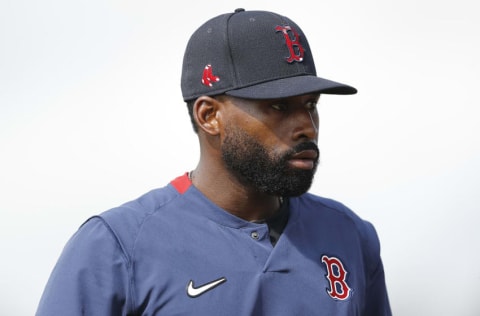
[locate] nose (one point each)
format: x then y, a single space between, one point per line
313 122
306 125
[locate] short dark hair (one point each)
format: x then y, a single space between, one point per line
190 105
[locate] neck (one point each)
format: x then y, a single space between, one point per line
227 192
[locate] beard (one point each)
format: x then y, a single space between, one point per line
253 166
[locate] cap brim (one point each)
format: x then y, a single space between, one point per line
293 86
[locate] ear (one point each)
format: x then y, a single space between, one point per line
206 114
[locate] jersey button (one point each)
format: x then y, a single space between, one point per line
254 235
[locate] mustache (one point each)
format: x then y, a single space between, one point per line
305 146
301 147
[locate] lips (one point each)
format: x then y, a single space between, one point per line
305 159
308 154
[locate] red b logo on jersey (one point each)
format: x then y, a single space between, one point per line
293 44
336 276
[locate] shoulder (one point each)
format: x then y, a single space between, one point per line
125 222
316 209
135 211
316 205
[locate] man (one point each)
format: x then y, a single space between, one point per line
238 235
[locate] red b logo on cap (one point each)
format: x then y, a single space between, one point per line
293 44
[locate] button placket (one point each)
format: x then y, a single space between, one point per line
258 233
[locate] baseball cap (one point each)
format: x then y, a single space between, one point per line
252 55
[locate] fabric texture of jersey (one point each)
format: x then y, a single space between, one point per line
174 252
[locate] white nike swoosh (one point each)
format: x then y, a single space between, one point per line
193 291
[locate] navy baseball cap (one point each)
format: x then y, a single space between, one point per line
252 55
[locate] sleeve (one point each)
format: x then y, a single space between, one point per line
377 301
91 277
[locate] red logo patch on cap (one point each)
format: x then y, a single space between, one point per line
208 78
293 43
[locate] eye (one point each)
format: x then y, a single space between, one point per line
279 106
311 105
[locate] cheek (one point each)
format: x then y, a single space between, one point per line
266 130
249 126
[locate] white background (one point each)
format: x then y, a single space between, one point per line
91 116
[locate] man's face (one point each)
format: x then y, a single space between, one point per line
272 146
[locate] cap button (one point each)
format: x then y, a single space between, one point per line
239 10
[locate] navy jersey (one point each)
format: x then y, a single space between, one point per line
173 252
